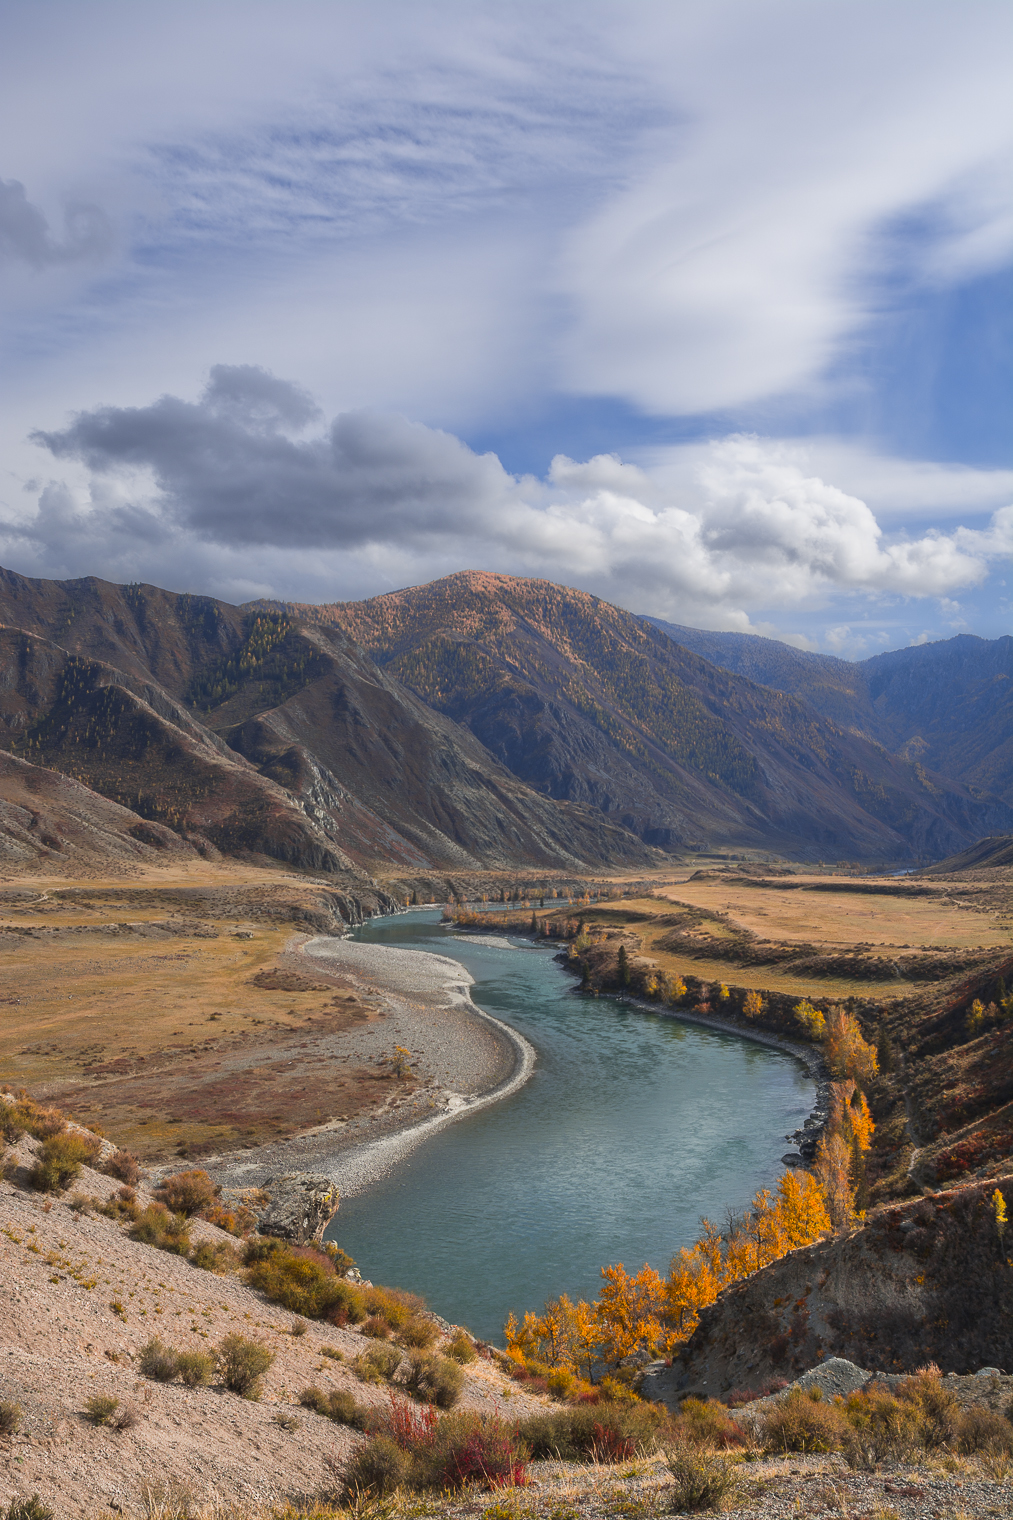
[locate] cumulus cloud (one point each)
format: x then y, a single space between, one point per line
249 484
25 233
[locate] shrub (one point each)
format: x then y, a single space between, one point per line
25 1117
938 1411
338 1405
298 1327
123 1206
561 1382
158 1361
700 1481
878 1426
708 1423
187 1193
434 1380
417 1333
155 1226
236 1220
468 1449
576 1432
800 1423
27 1509
101 1408
376 1327
60 1161
303 1280
215 1256
10 1417
123 1165
378 1364
981 1429
195 1368
396 1306
242 1363
379 1468
462 1349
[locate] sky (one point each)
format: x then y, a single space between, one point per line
701 306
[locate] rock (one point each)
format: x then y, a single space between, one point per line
300 1207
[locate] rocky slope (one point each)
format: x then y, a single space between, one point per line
587 703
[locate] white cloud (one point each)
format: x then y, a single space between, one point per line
245 488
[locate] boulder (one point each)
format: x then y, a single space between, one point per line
300 1206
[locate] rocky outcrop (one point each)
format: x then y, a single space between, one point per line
301 1206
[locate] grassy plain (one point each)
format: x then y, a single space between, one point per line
154 1013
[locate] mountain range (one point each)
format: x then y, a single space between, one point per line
481 721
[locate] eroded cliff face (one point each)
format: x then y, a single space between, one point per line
926 1281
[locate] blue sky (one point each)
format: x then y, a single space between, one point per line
704 307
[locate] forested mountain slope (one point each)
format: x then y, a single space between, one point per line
948 704
590 704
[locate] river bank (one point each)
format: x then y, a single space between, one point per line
461 1059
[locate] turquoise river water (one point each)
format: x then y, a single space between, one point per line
632 1127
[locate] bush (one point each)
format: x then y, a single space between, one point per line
60 1161
938 1410
434 1380
338 1405
701 1481
396 1306
25 1117
215 1256
378 1468
981 1429
801 1423
462 1349
376 1327
155 1226
378 1364
125 1166
10 1417
101 1408
302 1280
242 1363
27 1509
468 1449
235 1220
708 1423
417 1333
187 1193
158 1361
575 1433
195 1368
879 1426
123 1206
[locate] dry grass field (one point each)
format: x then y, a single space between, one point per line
164 1011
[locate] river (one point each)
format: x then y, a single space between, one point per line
632 1127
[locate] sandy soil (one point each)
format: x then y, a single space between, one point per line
462 1058
62 1340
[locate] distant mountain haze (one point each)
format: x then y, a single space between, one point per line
481 721
948 704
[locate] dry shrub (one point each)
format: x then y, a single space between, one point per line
60 1161
583 1430
242 1363
123 1206
303 1280
707 1423
216 1256
981 1429
10 1417
337 1404
123 1165
27 1509
417 1333
395 1305
158 1361
155 1226
938 1410
879 1426
378 1468
413 1449
462 1348
23 1117
376 1327
298 1327
434 1380
799 1422
235 1219
195 1368
700 1479
101 1408
378 1364
187 1193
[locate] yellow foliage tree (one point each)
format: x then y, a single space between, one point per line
848 1053
810 1019
752 1007
831 1167
801 1210
629 1310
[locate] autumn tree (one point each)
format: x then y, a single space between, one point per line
752 1005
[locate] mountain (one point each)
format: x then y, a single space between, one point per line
249 732
589 704
947 704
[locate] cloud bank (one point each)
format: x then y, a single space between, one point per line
25 234
252 494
